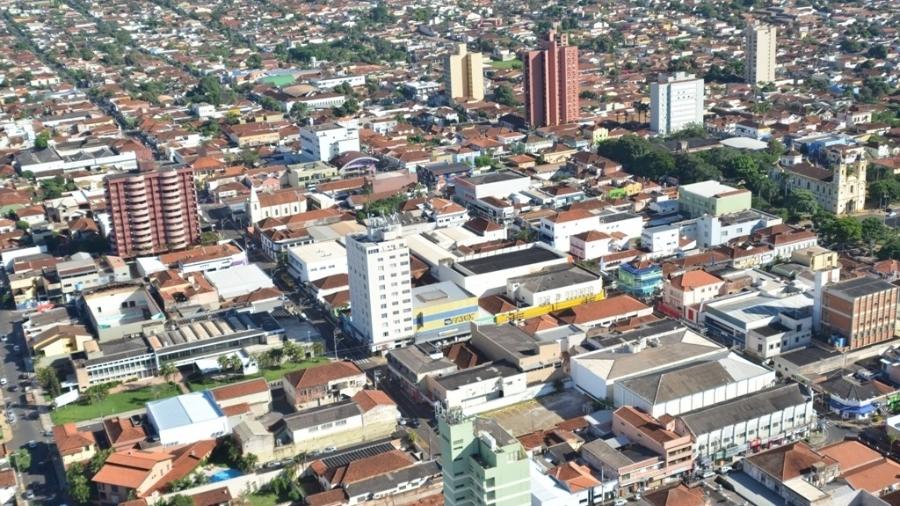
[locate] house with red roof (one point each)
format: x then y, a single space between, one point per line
323 384
683 294
74 445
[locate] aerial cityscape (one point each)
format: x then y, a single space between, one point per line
464 253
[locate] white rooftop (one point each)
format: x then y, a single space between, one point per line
239 280
320 251
184 410
707 189
758 306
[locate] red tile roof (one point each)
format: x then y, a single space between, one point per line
70 441
322 374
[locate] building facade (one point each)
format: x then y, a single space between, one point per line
463 72
483 464
860 311
328 140
153 211
840 189
759 51
676 101
551 82
380 286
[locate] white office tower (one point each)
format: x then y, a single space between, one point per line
676 101
380 286
822 278
759 50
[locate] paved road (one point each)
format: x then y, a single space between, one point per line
40 477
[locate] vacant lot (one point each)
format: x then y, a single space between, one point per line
541 413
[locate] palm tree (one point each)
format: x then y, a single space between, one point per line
168 371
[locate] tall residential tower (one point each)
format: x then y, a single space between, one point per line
551 82
759 50
676 101
463 74
152 212
482 463
380 286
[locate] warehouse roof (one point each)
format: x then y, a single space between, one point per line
723 414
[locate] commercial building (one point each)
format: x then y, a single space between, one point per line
483 464
640 278
500 185
327 140
442 311
152 211
859 312
553 284
658 347
369 415
676 102
712 198
187 418
684 294
488 272
759 53
551 82
753 320
120 311
693 386
311 262
673 450
380 286
765 419
463 74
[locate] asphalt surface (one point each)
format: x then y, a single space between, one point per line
41 476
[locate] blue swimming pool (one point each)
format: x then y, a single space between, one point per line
224 474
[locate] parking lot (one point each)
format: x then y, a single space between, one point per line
541 413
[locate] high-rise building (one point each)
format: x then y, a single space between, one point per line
759 50
482 463
380 286
860 311
551 82
323 142
463 73
152 211
676 101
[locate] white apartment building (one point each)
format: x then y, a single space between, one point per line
556 230
662 240
326 141
759 50
380 286
676 101
318 260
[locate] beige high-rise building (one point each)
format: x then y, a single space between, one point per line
463 72
760 44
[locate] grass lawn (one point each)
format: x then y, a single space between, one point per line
269 374
112 404
262 499
508 64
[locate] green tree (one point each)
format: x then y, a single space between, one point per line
168 371
843 232
98 460
254 61
42 140
180 500
503 94
96 393
884 191
891 248
78 486
873 231
802 204
247 462
21 460
208 238
878 51
49 381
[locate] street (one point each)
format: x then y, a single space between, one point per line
41 476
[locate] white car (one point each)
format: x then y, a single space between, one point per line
3 338
3 381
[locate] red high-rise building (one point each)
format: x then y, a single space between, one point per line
152 211
551 82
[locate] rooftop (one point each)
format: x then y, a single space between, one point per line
555 276
184 410
509 260
709 189
859 287
724 414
